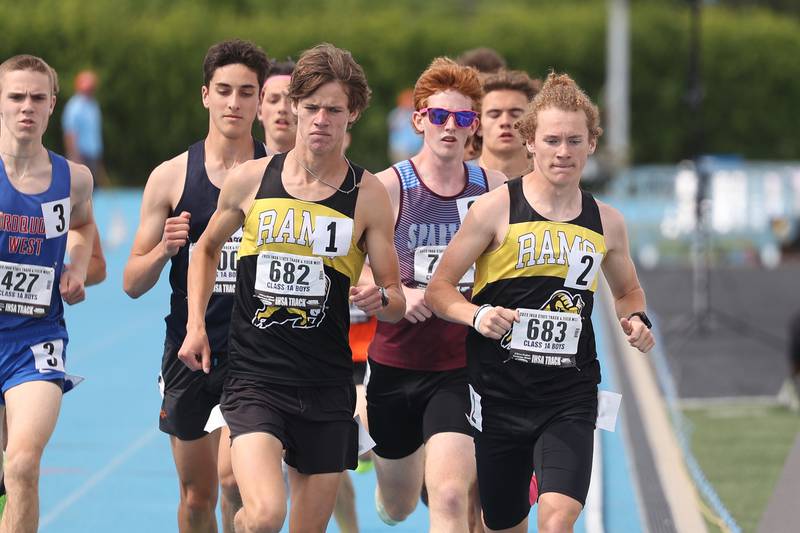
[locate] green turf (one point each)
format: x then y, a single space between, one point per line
742 449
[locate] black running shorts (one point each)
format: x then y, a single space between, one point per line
556 441
188 396
407 407
315 424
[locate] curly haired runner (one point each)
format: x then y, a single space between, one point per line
538 244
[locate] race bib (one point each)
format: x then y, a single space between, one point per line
546 337
357 316
225 281
426 260
463 205
56 217
289 280
583 267
332 236
25 289
49 356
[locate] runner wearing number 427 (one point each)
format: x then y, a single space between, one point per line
179 198
45 211
538 244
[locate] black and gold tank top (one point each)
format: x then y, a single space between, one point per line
297 261
549 272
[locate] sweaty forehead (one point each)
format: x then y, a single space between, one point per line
24 81
554 121
235 75
277 84
330 94
504 99
450 99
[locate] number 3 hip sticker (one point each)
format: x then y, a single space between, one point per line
56 217
49 356
583 267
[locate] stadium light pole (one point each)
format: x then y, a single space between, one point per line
618 84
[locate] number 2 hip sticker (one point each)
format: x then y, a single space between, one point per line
583 267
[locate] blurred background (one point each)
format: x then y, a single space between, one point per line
700 102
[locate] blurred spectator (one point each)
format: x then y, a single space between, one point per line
82 125
484 60
404 141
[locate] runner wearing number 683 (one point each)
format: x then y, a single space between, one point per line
538 243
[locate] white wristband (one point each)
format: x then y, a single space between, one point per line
479 315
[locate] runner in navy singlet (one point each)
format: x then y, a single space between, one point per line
179 198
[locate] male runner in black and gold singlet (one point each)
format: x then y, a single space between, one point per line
538 243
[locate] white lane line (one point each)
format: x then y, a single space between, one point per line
98 477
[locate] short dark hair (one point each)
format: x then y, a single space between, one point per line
511 80
326 63
232 52
32 63
282 68
486 60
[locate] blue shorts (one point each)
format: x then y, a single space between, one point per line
33 358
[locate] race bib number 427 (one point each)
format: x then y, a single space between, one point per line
25 289
546 337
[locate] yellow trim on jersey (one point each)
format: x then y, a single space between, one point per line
286 225
537 248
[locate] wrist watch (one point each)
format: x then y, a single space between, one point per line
384 296
643 317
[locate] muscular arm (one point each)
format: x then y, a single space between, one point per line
621 275
238 191
374 206
96 271
471 240
80 235
478 233
156 240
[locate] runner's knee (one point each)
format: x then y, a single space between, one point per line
198 500
449 499
267 518
556 520
22 469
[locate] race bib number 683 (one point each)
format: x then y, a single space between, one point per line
546 337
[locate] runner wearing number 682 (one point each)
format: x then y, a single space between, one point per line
538 244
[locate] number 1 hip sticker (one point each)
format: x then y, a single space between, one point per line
583 267
56 217
332 236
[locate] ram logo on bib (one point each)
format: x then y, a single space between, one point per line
292 288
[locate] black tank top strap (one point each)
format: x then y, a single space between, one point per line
519 210
590 213
259 150
271 182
